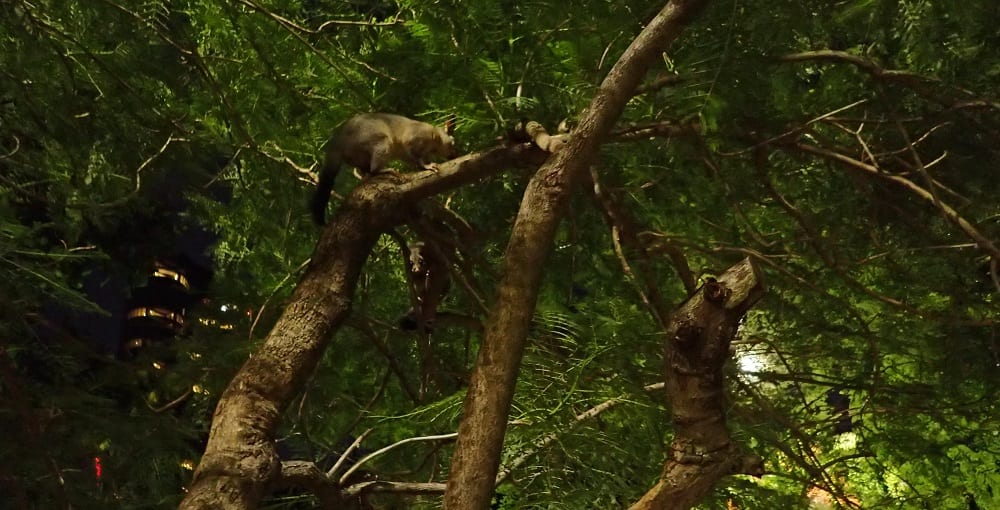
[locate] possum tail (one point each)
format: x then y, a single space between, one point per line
331 167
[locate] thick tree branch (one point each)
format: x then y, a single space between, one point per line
696 348
307 475
394 487
477 453
240 463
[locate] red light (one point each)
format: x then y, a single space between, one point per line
98 470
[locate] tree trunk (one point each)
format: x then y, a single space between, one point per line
240 464
697 346
480 436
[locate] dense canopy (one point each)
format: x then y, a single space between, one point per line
758 263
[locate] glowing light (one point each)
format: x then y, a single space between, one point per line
750 362
163 272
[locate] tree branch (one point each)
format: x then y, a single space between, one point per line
696 347
949 213
477 453
240 463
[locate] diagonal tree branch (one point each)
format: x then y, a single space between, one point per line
949 213
480 436
240 463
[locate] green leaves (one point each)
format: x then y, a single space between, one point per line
112 114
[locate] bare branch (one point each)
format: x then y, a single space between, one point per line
395 487
657 84
547 439
949 213
343 457
393 446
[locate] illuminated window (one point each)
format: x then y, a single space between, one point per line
163 272
162 313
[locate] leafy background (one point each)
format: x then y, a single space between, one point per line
125 125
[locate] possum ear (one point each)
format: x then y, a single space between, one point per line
449 125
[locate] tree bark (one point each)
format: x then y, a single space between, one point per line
697 346
476 459
240 464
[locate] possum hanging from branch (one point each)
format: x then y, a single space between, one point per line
369 141
430 280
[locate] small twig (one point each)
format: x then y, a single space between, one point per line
657 84
296 32
347 453
994 262
547 439
173 403
138 175
365 328
393 446
17 146
949 213
794 131
864 63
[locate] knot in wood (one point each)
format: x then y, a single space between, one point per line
688 334
716 292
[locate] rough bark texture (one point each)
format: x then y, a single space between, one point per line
240 464
697 346
477 453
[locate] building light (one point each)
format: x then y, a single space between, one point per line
162 272
162 313
158 365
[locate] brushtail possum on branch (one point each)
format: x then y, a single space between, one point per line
369 141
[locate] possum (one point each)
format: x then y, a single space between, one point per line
369 141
